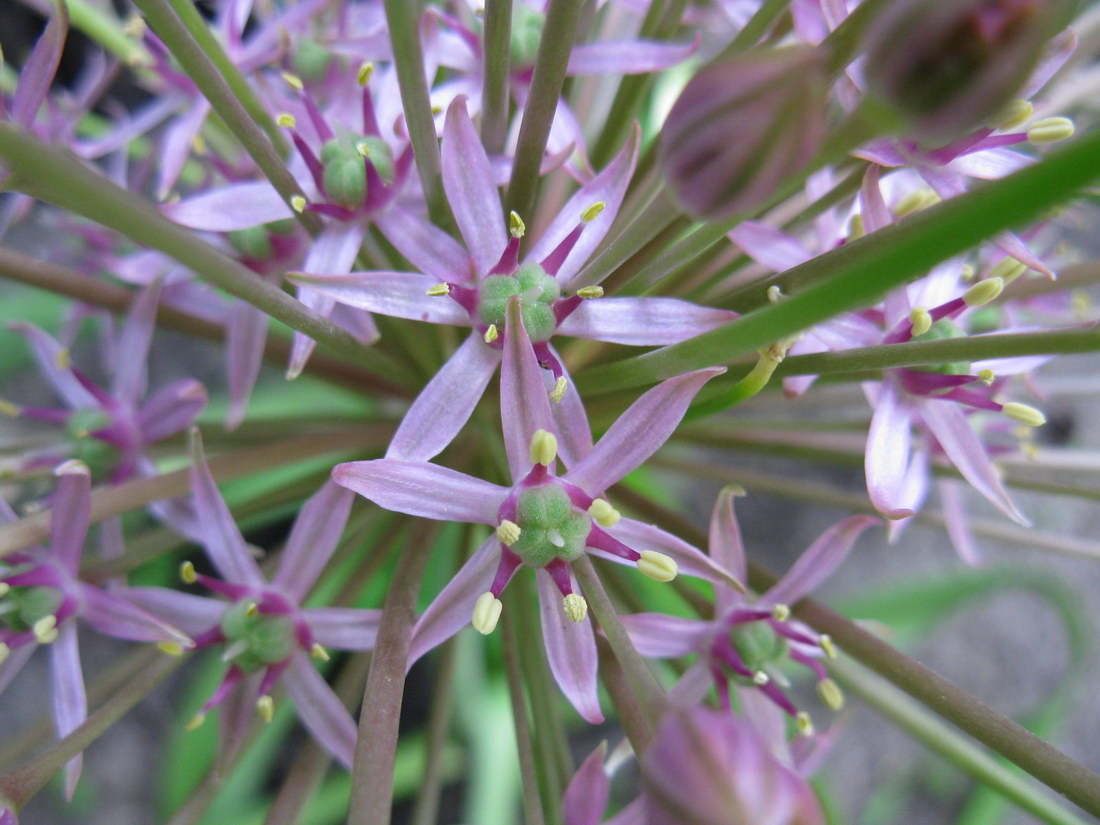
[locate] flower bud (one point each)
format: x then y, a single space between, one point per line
693 747
949 67
741 127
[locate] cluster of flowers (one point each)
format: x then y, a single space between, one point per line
352 225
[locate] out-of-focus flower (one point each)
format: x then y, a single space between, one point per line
947 67
265 631
743 126
588 792
709 767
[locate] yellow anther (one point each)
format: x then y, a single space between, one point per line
198 143
1008 270
760 678
590 292
983 292
293 81
508 532
72 467
298 203
1050 130
437 110
780 612
171 648
134 27
363 149
5 651
544 448
196 722
576 608
1024 413
366 71
491 334
319 652
967 273
658 566
5 588
914 202
775 294
855 227
921 319
830 694
826 643
1013 116
604 514
187 573
440 289
286 120
252 610
486 613
591 212
62 359
804 723
265 706
9 409
516 227
560 386
987 377
45 629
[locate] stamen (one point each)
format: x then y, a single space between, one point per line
604 514
45 629
1050 130
544 448
590 292
5 651
298 203
62 359
984 291
1024 413
760 678
508 532
826 643
265 706
855 227
9 409
486 613
363 76
293 81
775 294
1013 116
491 334
198 144
576 608
363 149
439 289
252 609
987 377
921 319
196 722
804 723
780 612
914 202
4 589
171 648
967 273
516 227
657 566
589 214
286 120
318 652
830 693
560 386
1008 269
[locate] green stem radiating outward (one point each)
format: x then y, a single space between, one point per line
532 799
497 68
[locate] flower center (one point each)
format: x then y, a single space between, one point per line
21 608
255 640
537 292
550 526
759 647
939 330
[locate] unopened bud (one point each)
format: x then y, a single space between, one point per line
486 613
1024 413
604 514
830 694
1050 130
544 448
983 292
576 608
508 532
658 566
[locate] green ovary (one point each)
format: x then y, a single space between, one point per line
345 175
258 640
758 645
550 526
23 606
527 26
537 292
940 330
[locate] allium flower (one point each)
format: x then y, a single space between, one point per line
41 595
543 520
709 767
741 127
477 285
748 641
586 797
264 630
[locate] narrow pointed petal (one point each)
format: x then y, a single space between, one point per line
571 650
11 666
52 360
343 628
244 346
990 164
608 187
446 403
1014 246
468 181
639 432
691 560
588 792
171 409
819 561
229 208
451 610
70 704
642 322
725 544
418 488
771 247
570 418
69 524
627 56
427 247
320 711
397 294
221 538
665 637
952 499
887 455
40 68
524 404
131 368
177 143
313 538
112 615
965 450
188 612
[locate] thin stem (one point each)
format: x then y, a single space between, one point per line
372 789
426 811
636 722
532 801
542 100
106 30
496 70
755 28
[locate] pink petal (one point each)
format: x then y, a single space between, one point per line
665 637
171 409
40 68
524 404
725 544
244 348
771 247
418 488
446 403
990 164
113 615
644 322
70 704
819 561
621 57
570 418
69 523
343 628
49 354
468 181
320 711
952 499
177 142
639 432
691 560
190 613
588 792
427 247
232 207
887 455
313 538
131 369
397 294
571 650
